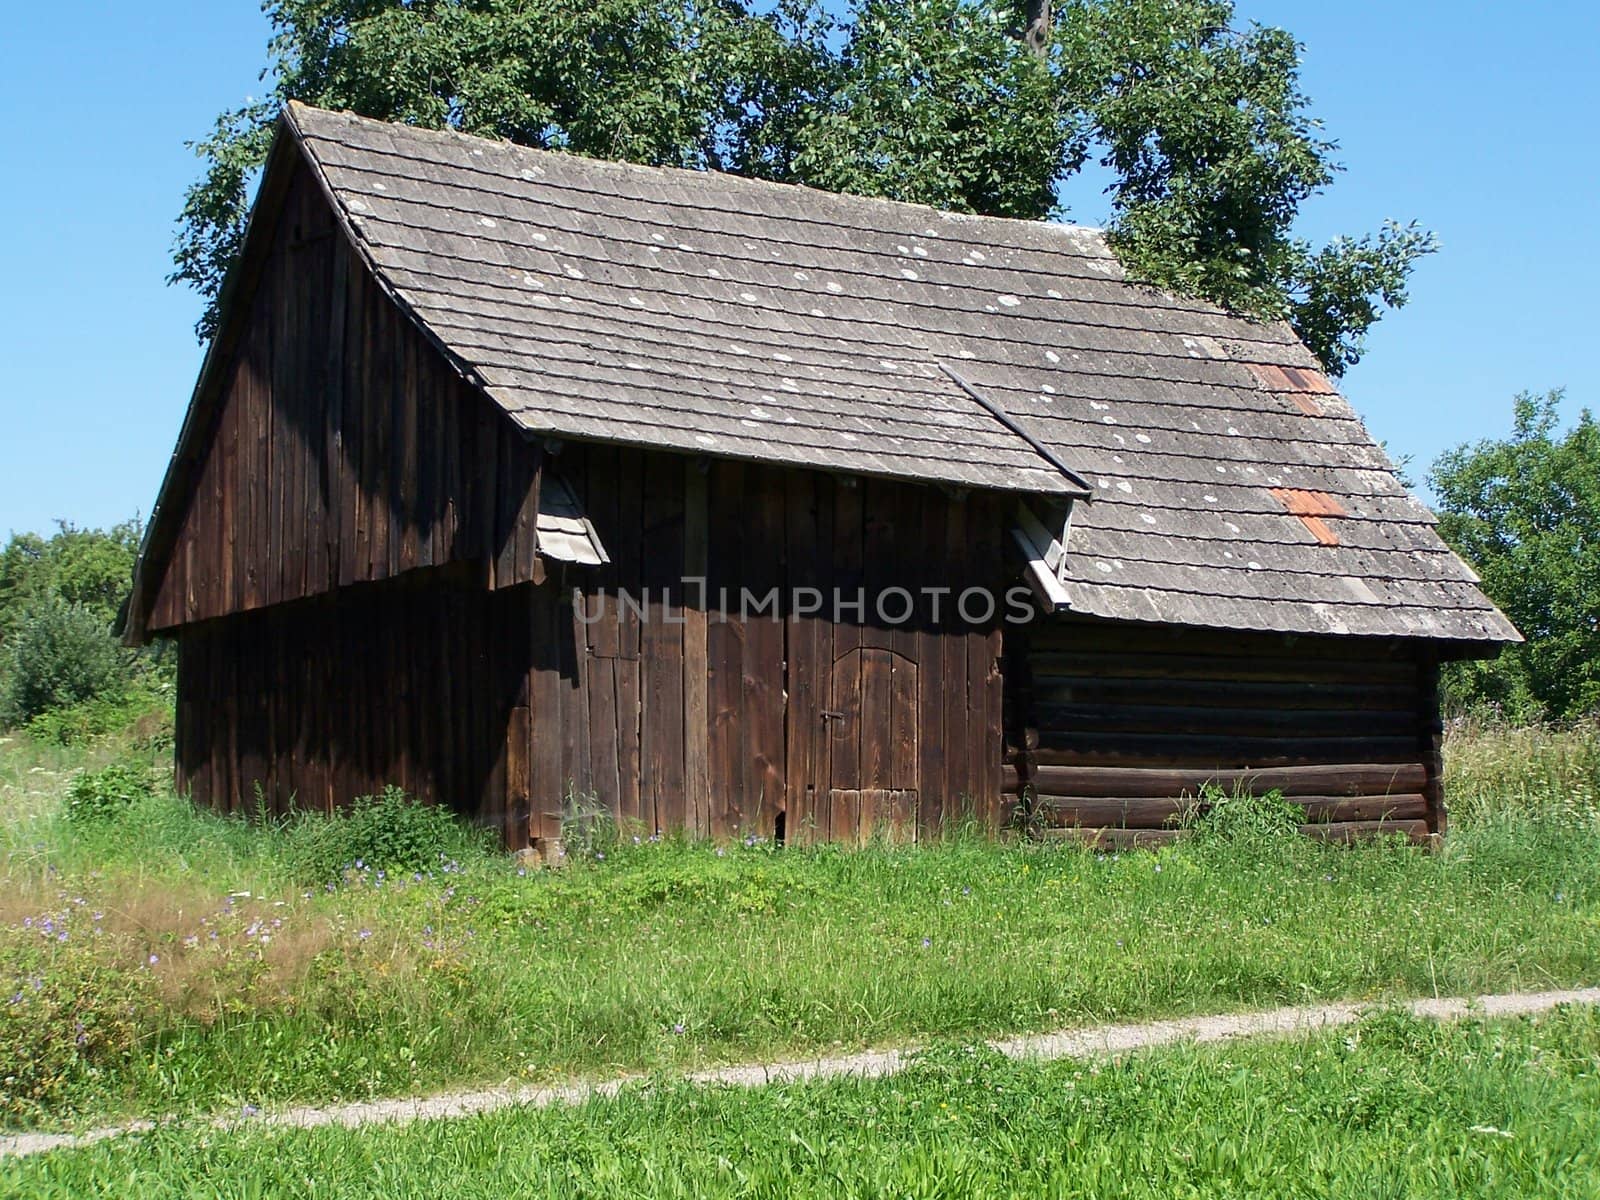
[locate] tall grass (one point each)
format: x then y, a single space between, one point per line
1394 1107
226 977
1496 773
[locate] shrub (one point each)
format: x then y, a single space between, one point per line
68 1017
104 795
142 712
390 831
63 654
1242 819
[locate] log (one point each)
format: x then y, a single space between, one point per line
1164 720
1362 831
1162 812
1214 753
1050 665
1116 692
1343 779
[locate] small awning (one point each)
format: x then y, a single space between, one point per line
565 533
1043 542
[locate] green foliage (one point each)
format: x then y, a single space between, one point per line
389 832
1242 821
62 653
108 794
940 102
68 1015
91 568
666 954
1393 1107
935 102
144 709
1525 512
1214 151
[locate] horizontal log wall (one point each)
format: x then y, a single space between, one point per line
342 449
1117 728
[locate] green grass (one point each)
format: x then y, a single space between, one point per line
667 956
1393 1107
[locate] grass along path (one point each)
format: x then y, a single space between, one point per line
170 961
1100 1041
1389 1107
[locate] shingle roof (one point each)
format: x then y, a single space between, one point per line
712 314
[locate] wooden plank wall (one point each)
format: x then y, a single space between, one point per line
672 711
414 682
343 449
1113 726
695 715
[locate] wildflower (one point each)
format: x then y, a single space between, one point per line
249 1110
154 959
678 1028
364 934
926 943
600 855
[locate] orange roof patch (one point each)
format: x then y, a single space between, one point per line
1311 507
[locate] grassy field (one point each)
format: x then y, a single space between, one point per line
172 961
1392 1107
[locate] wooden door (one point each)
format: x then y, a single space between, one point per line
869 752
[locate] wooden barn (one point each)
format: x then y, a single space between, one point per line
525 481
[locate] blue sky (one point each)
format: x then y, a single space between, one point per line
1477 119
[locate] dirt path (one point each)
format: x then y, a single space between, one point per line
1100 1040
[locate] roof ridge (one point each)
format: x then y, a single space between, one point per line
1070 228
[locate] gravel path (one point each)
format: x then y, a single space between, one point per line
1100 1041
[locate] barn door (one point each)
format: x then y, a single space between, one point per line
869 752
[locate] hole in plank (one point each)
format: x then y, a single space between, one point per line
778 830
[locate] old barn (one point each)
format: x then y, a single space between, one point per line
521 480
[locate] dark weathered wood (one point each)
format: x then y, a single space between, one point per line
1165 811
1430 735
1331 779
696 663
334 451
1217 752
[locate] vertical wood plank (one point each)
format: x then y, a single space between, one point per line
725 649
696 665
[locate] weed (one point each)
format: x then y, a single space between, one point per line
108 794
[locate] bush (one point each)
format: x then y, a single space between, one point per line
104 795
63 654
1241 819
69 1018
390 831
145 713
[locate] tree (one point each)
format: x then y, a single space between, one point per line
983 106
1525 512
90 568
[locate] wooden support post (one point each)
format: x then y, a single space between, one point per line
696 708
1021 736
1430 732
